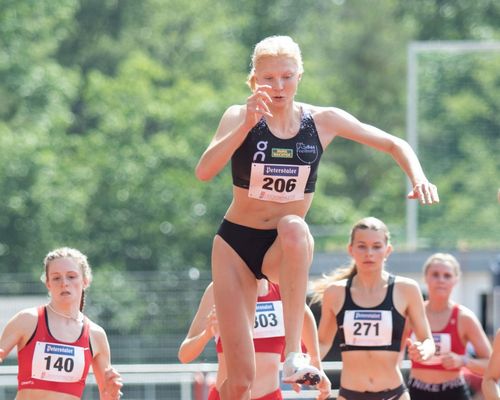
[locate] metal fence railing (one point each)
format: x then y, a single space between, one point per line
166 381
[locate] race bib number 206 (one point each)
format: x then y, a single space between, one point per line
280 183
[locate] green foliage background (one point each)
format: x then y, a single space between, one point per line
106 106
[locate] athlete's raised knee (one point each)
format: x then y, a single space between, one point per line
294 233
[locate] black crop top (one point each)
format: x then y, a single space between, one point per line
373 328
262 147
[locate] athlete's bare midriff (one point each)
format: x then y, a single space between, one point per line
372 371
261 214
35 394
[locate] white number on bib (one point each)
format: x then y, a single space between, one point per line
368 327
269 320
57 362
280 183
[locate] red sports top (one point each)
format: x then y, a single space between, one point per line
266 344
48 364
447 340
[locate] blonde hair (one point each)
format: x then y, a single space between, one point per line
320 285
274 46
74 254
444 258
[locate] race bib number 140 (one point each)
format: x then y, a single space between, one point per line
57 362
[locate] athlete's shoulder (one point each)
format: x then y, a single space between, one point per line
26 316
24 322
327 114
405 281
406 287
95 329
335 288
465 313
234 111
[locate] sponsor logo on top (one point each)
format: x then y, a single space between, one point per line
281 153
368 315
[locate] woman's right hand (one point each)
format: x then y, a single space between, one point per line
257 105
212 325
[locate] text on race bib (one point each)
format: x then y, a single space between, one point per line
279 183
58 362
368 328
269 320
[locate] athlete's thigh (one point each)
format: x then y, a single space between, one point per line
235 295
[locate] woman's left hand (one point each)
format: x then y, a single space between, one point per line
453 361
425 192
417 350
112 384
324 386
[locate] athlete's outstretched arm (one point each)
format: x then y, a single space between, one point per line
340 123
202 328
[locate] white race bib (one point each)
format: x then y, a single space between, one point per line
276 182
269 321
57 362
368 327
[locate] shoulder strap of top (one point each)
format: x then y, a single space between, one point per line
86 328
42 326
454 313
390 288
348 298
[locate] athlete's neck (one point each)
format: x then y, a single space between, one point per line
437 306
285 121
74 315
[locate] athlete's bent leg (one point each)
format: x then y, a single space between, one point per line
292 254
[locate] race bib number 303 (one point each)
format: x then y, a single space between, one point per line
269 320
368 327
279 183
57 362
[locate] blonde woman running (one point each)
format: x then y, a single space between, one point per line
453 326
275 145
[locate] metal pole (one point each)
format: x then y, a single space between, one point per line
412 137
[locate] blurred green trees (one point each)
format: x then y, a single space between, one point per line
106 106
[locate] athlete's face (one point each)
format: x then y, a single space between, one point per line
65 280
369 249
280 74
441 278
